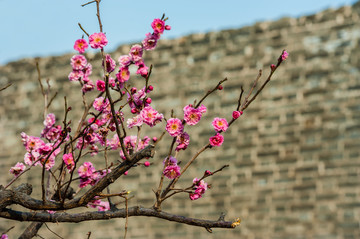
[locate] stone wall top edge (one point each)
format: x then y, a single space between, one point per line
281 23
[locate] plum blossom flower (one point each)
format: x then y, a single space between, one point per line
136 52
78 62
158 25
81 45
17 169
100 85
150 116
4 236
110 63
124 60
69 161
216 140
98 40
236 114
182 141
172 171
149 43
75 75
200 188
88 85
86 170
174 127
192 116
220 124
123 74
136 121
284 55
101 103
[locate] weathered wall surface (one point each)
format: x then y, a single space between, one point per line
294 155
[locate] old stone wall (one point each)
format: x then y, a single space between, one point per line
294 155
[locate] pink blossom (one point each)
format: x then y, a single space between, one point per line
149 43
200 188
172 171
136 52
98 40
284 55
30 158
143 69
49 120
69 161
182 141
76 75
220 124
31 143
236 114
216 140
80 45
110 63
174 127
87 70
88 86
4 236
123 74
170 161
150 116
101 104
86 170
158 25
17 169
192 116
100 85
124 60
78 62
136 121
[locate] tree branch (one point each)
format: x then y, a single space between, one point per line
118 213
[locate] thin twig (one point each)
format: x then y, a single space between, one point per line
3 88
53 231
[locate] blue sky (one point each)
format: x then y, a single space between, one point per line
31 28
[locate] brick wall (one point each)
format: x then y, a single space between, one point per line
294 155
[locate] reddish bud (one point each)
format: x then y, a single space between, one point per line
150 88
167 27
146 163
133 90
123 92
148 100
272 67
220 87
207 172
154 139
126 173
236 114
134 110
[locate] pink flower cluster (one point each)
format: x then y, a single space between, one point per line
88 174
200 188
135 55
39 152
100 205
182 141
192 116
51 131
129 143
171 170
